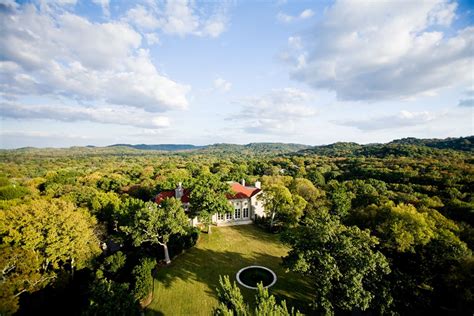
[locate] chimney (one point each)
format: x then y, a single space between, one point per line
243 182
258 184
178 192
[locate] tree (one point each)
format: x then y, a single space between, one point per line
115 262
11 192
155 224
340 198
208 197
143 278
340 261
315 177
55 230
232 303
110 298
315 198
266 304
21 272
281 205
402 227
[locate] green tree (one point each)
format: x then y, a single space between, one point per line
341 199
21 272
281 205
156 223
143 278
316 177
55 230
307 190
115 262
110 298
340 261
266 304
403 227
231 301
208 197
11 192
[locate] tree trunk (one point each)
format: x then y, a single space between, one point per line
167 255
271 221
72 268
209 229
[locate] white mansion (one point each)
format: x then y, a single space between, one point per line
244 200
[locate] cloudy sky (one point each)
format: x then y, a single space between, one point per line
114 71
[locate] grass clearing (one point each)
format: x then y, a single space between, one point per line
188 285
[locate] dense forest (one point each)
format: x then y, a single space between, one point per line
377 229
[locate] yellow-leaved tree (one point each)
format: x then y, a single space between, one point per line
47 235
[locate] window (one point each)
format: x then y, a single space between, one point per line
228 216
220 217
237 213
246 212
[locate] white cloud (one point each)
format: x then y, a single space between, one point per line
368 50
59 2
277 112
67 113
306 14
152 38
142 17
40 134
214 27
294 42
179 17
222 84
286 18
402 119
67 55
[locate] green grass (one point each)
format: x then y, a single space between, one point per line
188 285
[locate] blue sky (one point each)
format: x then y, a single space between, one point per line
315 72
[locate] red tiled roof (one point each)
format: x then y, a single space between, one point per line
169 194
241 192
185 197
164 195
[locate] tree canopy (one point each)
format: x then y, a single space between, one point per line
341 261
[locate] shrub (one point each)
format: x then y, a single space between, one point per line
115 262
143 278
107 297
178 243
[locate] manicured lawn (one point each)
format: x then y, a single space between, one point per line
188 285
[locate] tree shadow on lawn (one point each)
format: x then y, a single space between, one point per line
205 266
255 233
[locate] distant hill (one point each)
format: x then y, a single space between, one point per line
163 147
253 148
159 149
408 147
461 143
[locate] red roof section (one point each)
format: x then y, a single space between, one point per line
164 195
241 192
169 194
